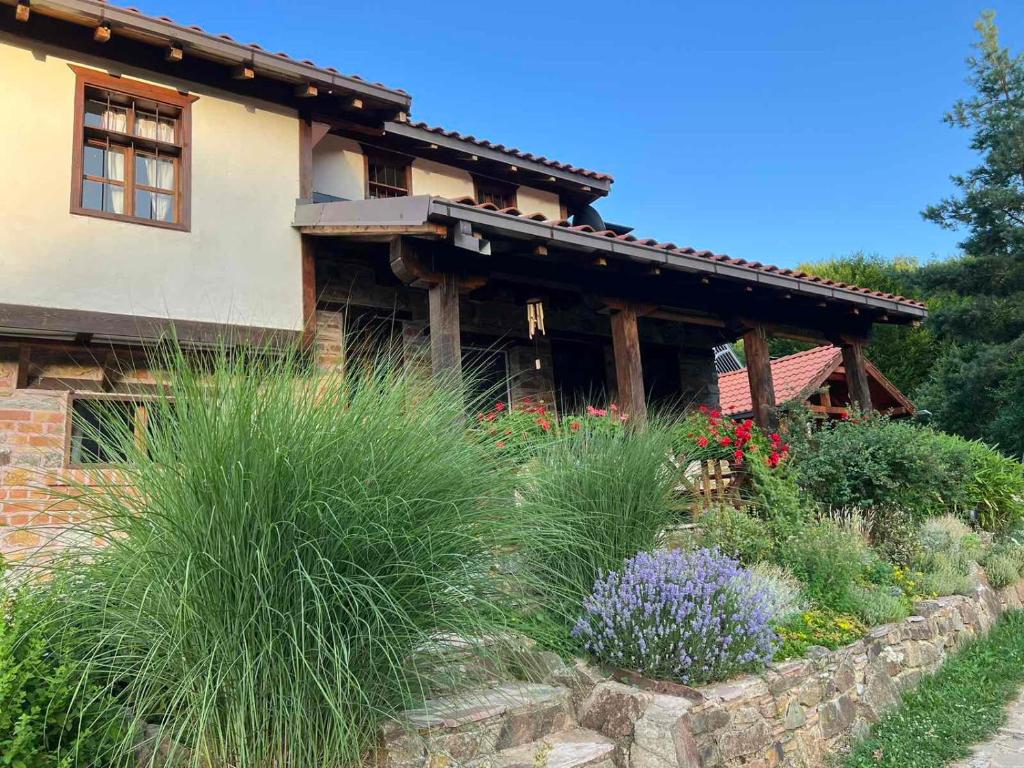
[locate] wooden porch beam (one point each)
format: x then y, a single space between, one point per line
857 374
629 372
308 251
445 333
759 374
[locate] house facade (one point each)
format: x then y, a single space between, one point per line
160 176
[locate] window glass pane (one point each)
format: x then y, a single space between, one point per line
102 197
99 430
148 125
152 205
112 117
108 163
152 171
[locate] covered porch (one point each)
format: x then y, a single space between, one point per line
566 312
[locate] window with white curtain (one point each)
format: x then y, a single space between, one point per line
133 151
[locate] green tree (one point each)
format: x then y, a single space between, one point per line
977 301
903 353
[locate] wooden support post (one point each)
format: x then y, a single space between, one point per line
445 335
856 375
759 374
629 373
307 248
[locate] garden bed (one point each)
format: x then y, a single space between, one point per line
796 712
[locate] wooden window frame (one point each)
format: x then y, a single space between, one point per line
481 183
140 402
134 89
393 158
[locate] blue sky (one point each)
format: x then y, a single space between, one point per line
779 132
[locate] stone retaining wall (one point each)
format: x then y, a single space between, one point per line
797 712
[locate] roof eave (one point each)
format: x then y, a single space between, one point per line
596 187
420 209
219 48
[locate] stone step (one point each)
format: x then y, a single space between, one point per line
573 748
478 723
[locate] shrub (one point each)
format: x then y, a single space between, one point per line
879 462
696 617
825 628
828 560
735 533
50 717
592 499
783 593
879 604
292 541
1002 571
949 550
893 534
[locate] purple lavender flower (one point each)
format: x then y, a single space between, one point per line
692 616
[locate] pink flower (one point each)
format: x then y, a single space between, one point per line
501 443
596 411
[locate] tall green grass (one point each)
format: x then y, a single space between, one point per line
280 552
591 500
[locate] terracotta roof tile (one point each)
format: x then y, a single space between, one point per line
791 375
704 254
513 152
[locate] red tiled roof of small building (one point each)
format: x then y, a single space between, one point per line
791 376
687 250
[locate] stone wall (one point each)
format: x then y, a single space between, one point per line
795 713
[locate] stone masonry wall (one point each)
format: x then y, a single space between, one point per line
795 713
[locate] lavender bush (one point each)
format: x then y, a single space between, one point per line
692 616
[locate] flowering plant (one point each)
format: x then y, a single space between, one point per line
709 435
516 430
694 616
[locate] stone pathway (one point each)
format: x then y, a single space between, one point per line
1006 748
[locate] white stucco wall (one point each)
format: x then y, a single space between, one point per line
430 178
240 263
532 200
339 168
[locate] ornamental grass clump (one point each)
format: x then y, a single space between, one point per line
696 617
284 554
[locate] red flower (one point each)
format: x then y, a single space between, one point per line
776 437
845 416
726 441
544 424
575 426
499 406
716 414
748 424
703 409
738 455
773 460
702 441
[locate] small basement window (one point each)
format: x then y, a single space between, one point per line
132 157
387 176
99 425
